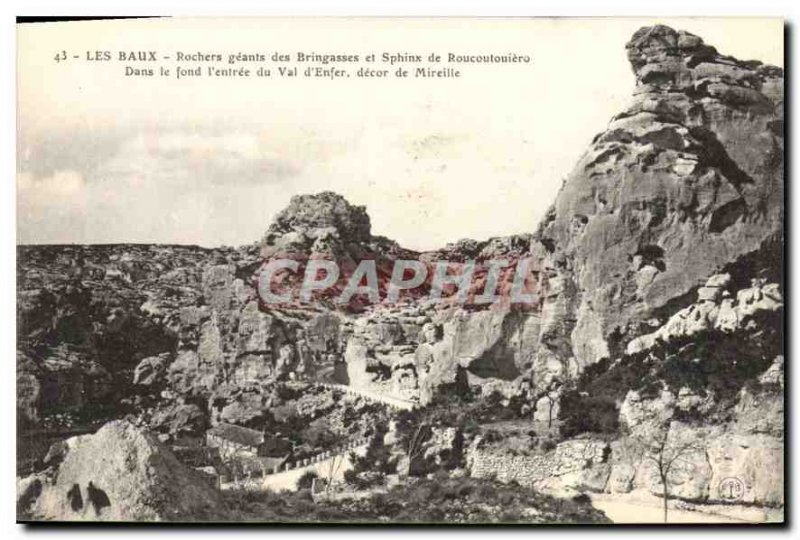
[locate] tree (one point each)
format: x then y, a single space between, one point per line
419 430
335 464
551 395
414 445
668 454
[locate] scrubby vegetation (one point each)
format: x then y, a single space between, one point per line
467 412
711 362
378 457
516 438
438 500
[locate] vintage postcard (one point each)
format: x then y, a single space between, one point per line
401 271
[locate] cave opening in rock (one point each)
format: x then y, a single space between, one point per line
97 497
74 497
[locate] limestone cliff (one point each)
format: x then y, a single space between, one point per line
688 179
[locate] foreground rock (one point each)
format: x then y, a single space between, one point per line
120 473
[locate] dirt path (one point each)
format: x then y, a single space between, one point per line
391 401
644 509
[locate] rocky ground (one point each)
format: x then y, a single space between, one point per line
657 320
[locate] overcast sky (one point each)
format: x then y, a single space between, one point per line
105 158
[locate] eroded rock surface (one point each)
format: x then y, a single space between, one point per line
122 473
687 179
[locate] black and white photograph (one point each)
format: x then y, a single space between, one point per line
471 271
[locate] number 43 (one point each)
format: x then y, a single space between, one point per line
62 55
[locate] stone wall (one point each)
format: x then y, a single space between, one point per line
751 463
574 463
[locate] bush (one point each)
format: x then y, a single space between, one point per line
471 500
582 498
547 445
378 457
305 481
351 477
701 362
588 414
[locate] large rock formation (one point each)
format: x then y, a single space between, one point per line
662 254
319 224
87 315
120 473
686 180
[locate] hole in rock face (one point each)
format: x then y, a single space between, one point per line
727 215
437 332
652 255
658 78
97 497
74 497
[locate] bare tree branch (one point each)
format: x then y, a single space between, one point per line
665 454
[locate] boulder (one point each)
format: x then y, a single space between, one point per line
151 370
123 473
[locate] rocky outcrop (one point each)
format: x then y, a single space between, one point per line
739 460
389 348
746 450
665 243
121 473
64 378
411 351
151 370
326 226
753 461
688 179
88 315
717 307
683 183
318 224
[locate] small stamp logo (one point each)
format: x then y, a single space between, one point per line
731 489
